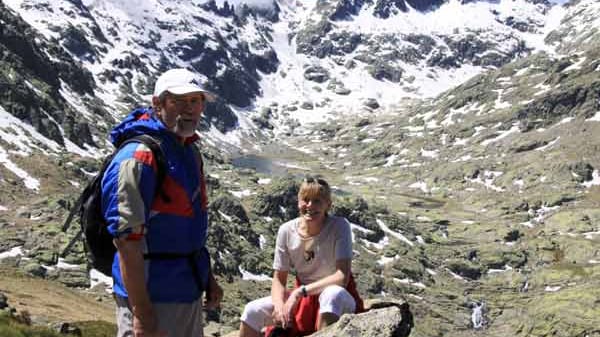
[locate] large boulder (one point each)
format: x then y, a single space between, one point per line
384 320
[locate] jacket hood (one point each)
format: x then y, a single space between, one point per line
139 121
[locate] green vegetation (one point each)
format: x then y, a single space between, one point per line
19 327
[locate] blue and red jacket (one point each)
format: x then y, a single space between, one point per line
176 225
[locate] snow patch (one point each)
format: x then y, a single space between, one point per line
487 180
96 277
248 276
241 194
29 181
421 185
595 118
547 146
575 66
13 252
552 289
264 181
394 234
595 180
502 135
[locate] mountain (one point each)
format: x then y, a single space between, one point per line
461 138
278 62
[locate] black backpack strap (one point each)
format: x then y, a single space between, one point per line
191 259
74 210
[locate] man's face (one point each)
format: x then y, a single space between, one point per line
181 113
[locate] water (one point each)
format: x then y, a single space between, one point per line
477 315
259 164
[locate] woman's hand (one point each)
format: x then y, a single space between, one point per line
279 314
290 306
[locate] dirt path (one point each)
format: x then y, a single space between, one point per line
52 301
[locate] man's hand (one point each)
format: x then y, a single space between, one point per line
131 258
214 294
147 330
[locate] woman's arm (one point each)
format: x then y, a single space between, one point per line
340 277
278 289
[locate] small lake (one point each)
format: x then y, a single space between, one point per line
259 164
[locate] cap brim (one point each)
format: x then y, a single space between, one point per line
188 89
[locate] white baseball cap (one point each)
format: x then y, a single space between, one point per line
179 82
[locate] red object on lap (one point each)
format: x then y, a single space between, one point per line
305 319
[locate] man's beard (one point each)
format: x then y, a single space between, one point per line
184 128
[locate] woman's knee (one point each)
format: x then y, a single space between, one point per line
337 300
333 292
256 313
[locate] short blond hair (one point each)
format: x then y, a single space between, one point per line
313 188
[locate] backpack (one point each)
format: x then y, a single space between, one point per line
98 242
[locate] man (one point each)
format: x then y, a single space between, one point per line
162 266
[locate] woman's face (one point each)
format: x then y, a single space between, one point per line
313 209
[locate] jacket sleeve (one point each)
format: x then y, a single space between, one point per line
128 191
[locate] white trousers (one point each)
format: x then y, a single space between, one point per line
333 299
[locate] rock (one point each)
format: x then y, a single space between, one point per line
307 105
465 269
67 328
3 301
385 71
342 91
371 103
46 257
583 171
220 115
362 122
316 74
557 200
395 320
212 329
23 212
35 269
71 278
357 211
278 200
512 236
528 146
230 206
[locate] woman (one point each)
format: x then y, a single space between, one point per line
318 247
